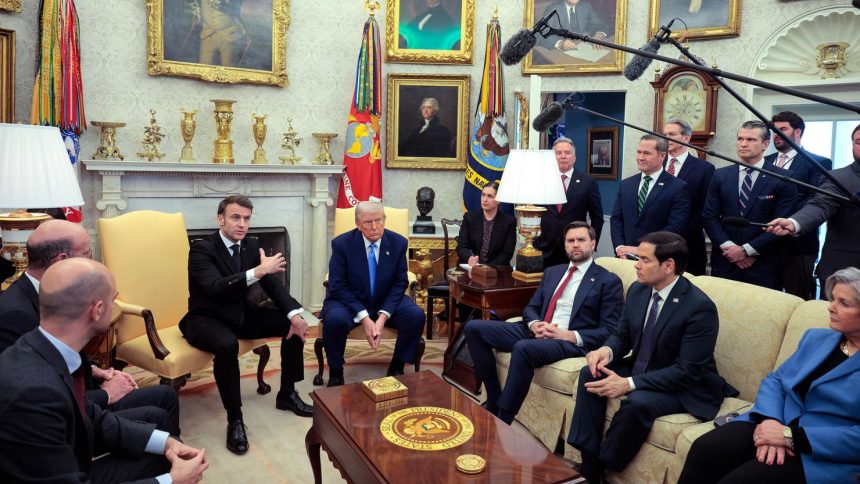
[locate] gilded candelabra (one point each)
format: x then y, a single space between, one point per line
187 126
324 153
259 130
223 143
290 142
107 149
152 137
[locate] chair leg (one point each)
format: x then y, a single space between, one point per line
419 355
264 352
318 350
175 383
429 320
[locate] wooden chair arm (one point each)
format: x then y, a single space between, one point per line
158 349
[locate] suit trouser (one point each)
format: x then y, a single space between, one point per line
728 454
797 276
221 339
527 353
408 319
122 468
158 404
698 260
629 429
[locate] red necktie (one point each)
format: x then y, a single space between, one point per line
78 380
560 205
552 302
671 169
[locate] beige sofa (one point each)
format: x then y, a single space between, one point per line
759 329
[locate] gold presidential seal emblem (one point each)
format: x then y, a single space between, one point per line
427 428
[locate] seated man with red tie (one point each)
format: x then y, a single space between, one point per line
571 313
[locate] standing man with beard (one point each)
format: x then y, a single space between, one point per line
571 313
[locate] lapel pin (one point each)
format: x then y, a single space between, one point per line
386 252
577 181
592 279
674 299
661 184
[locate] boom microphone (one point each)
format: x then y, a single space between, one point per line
523 41
636 67
548 117
741 222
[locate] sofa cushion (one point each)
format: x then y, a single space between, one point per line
810 314
561 376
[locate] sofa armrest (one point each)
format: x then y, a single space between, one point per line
158 349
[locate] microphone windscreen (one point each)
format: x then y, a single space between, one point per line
548 116
636 67
736 221
517 47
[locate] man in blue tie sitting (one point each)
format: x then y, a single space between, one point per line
366 286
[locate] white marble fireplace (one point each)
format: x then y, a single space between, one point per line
295 197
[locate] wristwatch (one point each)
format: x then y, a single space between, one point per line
787 438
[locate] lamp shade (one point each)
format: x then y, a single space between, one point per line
531 177
35 171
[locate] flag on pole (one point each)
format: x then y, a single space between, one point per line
362 157
488 147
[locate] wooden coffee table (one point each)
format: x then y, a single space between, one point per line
346 425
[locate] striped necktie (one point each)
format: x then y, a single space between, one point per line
643 192
746 189
781 160
646 347
671 169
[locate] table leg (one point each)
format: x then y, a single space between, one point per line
312 446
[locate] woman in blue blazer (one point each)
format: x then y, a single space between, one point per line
805 424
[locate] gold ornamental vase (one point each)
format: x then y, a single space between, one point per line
187 126
223 119
324 153
259 130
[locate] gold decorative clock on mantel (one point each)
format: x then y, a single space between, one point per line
682 92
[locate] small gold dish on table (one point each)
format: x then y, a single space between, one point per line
385 388
471 464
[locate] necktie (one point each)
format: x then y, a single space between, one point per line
671 169
563 186
371 267
780 161
78 381
643 193
237 259
746 189
571 16
647 344
552 302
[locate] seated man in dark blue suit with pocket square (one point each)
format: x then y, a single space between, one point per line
366 285
571 314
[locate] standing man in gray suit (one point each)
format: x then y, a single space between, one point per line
841 247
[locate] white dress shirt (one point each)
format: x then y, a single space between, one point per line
679 161
564 305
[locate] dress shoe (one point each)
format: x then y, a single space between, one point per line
335 381
294 403
237 440
394 372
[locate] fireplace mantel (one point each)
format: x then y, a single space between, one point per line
292 196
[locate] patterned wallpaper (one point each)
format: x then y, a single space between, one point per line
322 44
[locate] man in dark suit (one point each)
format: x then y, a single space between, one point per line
669 327
697 173
49 430
51 242
800 252
648 202
571 314
583 198
747 254
366 286
577 16
221 269
841 249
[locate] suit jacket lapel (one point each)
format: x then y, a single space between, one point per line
672 303
224 252
27 288
588 281
363 270
552 281
638 310
844 368
656 191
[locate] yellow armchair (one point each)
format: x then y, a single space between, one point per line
147 252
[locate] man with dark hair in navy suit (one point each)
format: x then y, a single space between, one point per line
669 327
650 201
572 312
802 251
697 173
747 254
366 286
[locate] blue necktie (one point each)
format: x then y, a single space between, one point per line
371 267
746 189
647 344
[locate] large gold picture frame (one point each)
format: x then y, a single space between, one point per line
592 18
442 144
225 42
7 76
10 5
440 35
711 19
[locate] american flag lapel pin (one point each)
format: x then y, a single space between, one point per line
386 253
577 181
592 279
661 184
674 299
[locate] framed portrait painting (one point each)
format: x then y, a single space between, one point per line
429 31
602 153
427 121
7 76
598 19
226 41
697 19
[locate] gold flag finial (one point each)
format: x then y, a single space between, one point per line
496 11
371 6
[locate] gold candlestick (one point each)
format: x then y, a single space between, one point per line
152 137
223 143
187 126
290 142
107 149
259 130
324 154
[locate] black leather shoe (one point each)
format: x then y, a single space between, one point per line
394 372
295 404
237 440
335 381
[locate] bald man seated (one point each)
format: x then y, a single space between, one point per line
49 431
51 242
